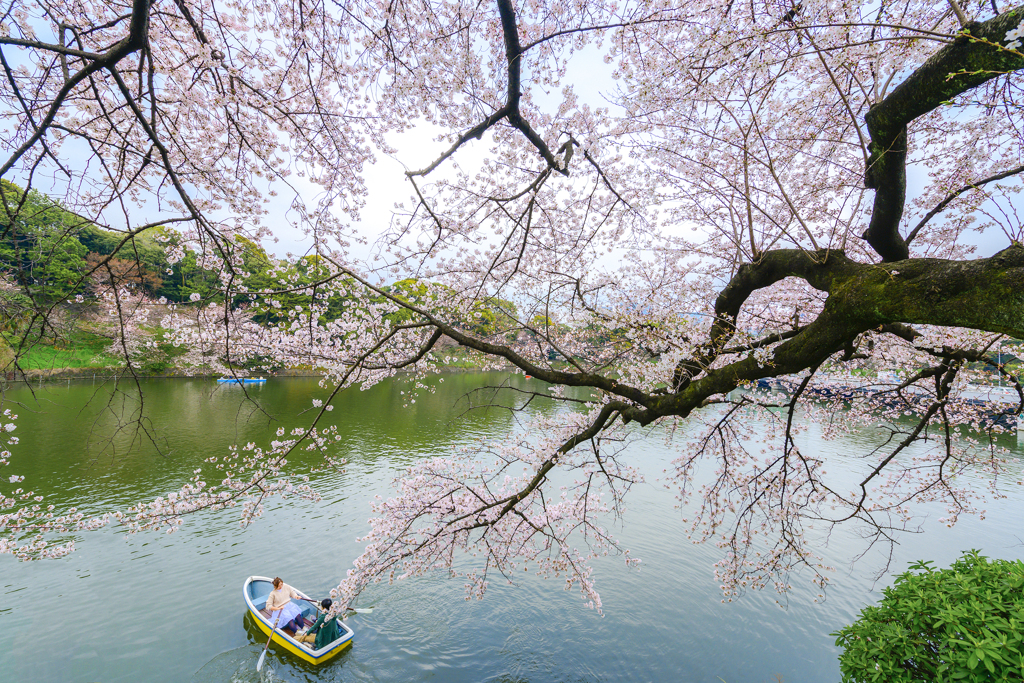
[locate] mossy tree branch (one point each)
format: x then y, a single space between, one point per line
966 63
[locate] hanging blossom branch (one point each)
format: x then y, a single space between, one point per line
191 109
460 505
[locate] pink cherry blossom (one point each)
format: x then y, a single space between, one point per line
731 209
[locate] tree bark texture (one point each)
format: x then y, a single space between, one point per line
965 64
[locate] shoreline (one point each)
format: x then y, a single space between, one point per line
93 374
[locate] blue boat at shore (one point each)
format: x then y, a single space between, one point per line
241 380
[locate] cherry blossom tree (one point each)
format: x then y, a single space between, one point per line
760 191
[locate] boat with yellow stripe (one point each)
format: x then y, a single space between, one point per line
256 591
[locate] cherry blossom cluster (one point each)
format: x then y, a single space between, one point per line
28 529
651 252
456 514
248 476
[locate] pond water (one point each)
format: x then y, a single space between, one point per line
156 607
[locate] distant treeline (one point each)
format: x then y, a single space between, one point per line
46 253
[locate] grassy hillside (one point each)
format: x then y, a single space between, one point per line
81 350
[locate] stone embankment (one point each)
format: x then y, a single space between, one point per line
995 404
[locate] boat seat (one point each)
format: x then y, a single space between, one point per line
261 601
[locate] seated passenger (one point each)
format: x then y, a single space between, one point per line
285 613
325 631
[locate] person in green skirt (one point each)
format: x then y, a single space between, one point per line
324 631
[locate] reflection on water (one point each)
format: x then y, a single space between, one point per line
238 666
169 608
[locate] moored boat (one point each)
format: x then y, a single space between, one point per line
256 591
241 380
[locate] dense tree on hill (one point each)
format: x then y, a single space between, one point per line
494 318
45 249
39 247
110 272
145 250
734 206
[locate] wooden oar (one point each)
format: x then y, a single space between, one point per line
259 664
315 604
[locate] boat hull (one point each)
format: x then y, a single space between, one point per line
283 640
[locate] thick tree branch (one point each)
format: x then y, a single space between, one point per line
577 379
985 294
510 110
956 68
138 35
814 267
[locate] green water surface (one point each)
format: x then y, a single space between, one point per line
156 607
